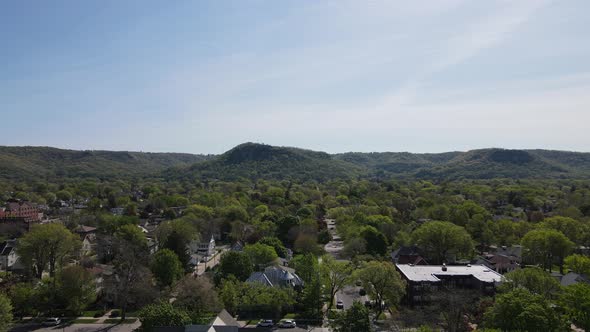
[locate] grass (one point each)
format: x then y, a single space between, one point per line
84 321
119 321
290 316
91 313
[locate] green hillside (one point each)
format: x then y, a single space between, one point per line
259 161
250 161
26 163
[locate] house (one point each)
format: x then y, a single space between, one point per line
572 278
205 247
9 259
513 252
423 281
223 322
408 255
499 263
237 246
276 276
88 244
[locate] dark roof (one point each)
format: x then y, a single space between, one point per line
6 247
574 278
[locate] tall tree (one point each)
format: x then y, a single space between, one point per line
5 313
166 267
47 245
261 254
520 310
162 314
131 277
354 319
335 275
544 246
197 297
576 302
176 235
578 263
535 280
76 288
383 283
439 239
235 263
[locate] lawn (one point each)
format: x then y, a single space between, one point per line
84 321
118 321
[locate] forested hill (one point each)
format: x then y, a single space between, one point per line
259 161
40 163
254 161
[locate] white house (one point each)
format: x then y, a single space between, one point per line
9 259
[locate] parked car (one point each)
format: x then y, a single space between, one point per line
287 323
265 323
51 321
339 304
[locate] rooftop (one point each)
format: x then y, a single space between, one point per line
430 272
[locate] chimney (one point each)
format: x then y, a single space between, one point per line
444 267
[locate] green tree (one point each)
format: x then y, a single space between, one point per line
335 275
166 267
306 266
5 313
162 314
578 263
535 280
383 283
24 299
439 239
261 254
354 319
76 288
376 243
197 297
576 302
543 246
520 310
176 235
236 263
47 245
276 244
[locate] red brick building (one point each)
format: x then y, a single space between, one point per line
17 210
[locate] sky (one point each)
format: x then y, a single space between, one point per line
336 76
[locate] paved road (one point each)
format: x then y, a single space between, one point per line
335 246
213 261
350 294
79 328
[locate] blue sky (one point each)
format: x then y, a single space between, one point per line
204 76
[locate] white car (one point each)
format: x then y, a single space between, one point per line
287 323
265 323
51 321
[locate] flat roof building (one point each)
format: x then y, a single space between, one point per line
423 281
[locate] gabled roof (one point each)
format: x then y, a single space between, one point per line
225 319
574 278
6 247
85 229
276 276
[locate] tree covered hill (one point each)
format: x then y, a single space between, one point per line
29 163
250 161
260 161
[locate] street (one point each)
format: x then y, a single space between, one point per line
213 261
78 328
